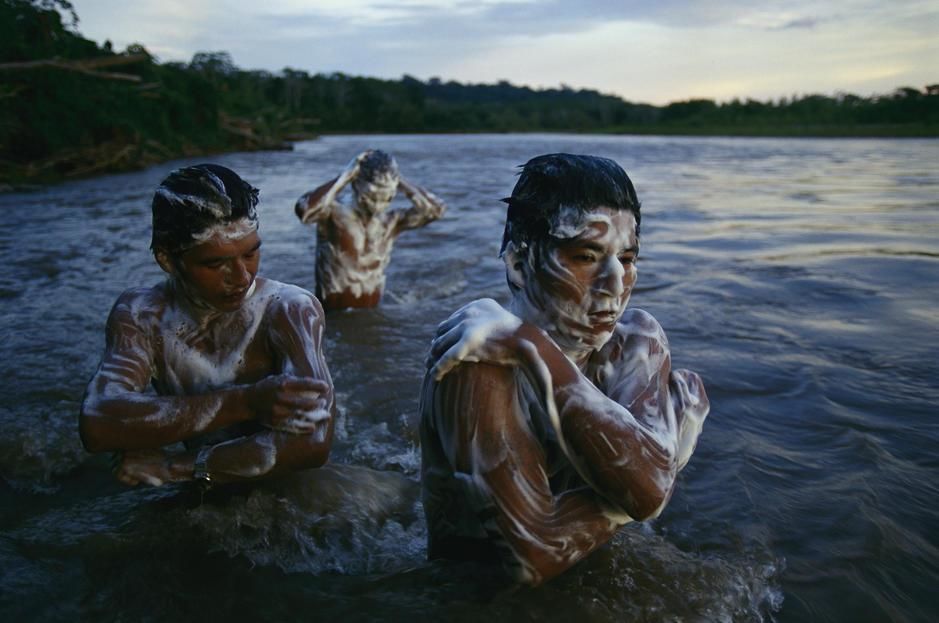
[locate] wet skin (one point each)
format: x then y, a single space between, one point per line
354 243
236 362
547 426
220 273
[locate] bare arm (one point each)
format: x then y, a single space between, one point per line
426 206
480 429
296 330
630 444
118 414
317 204
296 333
297 404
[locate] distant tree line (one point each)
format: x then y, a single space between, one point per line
71 107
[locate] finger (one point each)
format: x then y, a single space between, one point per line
304 383
451 359
127 479
285 404
150 479
445 342
450 322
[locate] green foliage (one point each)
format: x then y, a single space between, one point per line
68 117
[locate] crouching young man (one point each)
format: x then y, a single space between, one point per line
548 425
235 361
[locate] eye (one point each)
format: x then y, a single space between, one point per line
627 259
587 258
214 264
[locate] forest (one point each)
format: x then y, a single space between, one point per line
71 107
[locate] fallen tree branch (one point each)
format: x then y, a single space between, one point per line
85 66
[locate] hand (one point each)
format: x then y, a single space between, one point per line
482 331
150 467
290 404
351 172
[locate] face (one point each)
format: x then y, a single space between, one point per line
220 271
375 195
580 285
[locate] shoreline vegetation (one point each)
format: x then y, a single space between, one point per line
71 108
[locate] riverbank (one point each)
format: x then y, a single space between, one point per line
120 157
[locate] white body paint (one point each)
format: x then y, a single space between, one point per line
355 241
361 273
617 365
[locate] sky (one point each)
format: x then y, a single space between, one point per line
643 51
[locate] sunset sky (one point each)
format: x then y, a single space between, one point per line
653 52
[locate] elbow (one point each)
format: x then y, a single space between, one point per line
302 208
89 432
642 500
648 502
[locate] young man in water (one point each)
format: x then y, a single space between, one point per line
235 361
549 424
353 243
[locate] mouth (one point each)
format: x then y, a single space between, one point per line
235 297
603 319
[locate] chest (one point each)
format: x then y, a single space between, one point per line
352 235
192 359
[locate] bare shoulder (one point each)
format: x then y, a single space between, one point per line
639 323
637 333
140 304
285 299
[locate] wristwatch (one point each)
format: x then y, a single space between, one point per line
200 470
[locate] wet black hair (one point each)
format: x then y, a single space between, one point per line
377 164
192 199
554 183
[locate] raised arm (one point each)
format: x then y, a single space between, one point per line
317 204
473 425
628 443
426 207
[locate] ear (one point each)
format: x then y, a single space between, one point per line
514 267
165 260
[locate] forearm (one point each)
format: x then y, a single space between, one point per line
130 421
261 455
426 205
315 204
630 461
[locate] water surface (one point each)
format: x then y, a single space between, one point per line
800 277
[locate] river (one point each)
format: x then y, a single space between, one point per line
799 277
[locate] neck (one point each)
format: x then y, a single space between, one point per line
573 349
195 308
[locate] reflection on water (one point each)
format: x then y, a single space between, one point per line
799 277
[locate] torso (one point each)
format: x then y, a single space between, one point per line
190 357
351 257
450 519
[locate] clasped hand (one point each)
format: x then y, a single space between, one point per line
291 404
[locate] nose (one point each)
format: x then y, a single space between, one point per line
240 275
610 278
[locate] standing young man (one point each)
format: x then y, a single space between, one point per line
548 425
235 361
353 243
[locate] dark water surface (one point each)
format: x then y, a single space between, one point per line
799 277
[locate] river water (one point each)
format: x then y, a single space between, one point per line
799 277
